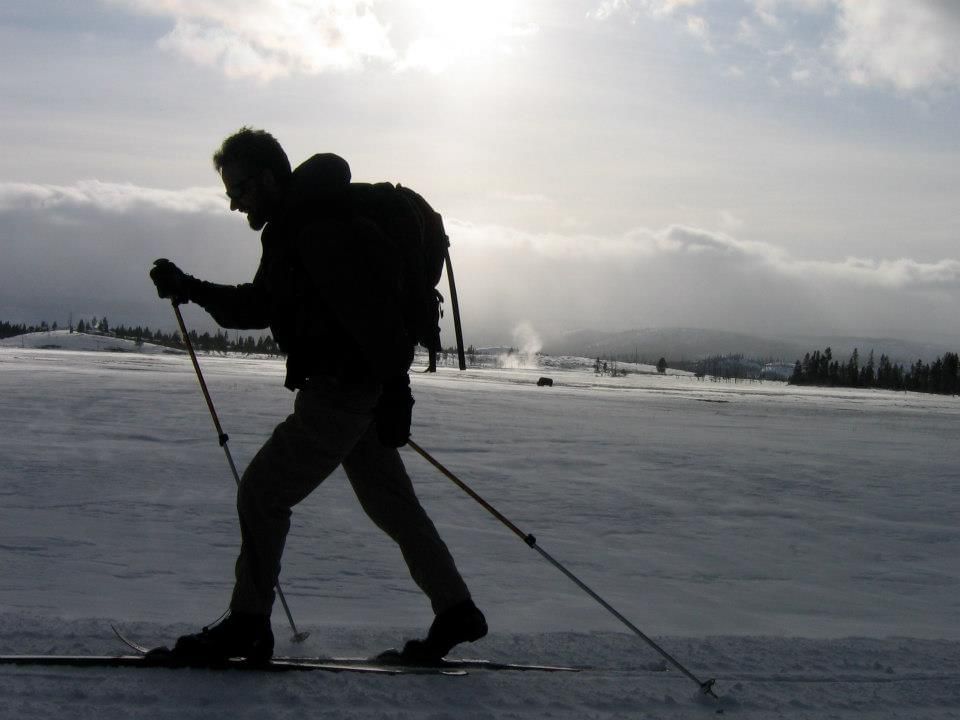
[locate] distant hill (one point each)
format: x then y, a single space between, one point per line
66 340
677 344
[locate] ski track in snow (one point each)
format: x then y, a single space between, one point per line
798 544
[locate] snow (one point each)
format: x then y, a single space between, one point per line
67 340
798 544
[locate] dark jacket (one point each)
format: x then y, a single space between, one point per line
328 285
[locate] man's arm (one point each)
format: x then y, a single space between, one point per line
238 307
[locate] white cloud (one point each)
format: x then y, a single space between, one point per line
264 39
697 26
909 45
719 251
657 8
110 197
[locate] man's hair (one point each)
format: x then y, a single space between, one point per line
257 149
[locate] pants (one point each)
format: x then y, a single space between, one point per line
333 424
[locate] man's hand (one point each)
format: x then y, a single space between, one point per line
394 412
171 281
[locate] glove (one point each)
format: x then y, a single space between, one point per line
171 281
394 412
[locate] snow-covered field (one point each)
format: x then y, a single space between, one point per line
800 545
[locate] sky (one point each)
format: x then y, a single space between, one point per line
765 166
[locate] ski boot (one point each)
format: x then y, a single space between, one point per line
239 635
462 623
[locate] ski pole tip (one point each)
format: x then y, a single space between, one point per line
301 636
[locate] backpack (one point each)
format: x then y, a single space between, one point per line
421 240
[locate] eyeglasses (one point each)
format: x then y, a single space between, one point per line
240 189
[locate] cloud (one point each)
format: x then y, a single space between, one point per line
86 248
633 8
110 197
718 250
265 39
909 45
691 277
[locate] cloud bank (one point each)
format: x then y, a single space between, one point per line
109 197
86 249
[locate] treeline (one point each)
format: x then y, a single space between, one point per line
820 368
11 329
218 342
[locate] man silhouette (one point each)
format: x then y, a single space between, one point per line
329 287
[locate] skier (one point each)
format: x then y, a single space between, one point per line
328 287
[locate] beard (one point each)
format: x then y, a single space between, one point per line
256 221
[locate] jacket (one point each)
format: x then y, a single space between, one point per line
328 285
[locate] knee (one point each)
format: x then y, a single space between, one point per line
254 494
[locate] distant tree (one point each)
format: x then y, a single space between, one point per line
867 372
853 369
662 366
797 377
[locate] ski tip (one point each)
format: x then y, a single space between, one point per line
128 642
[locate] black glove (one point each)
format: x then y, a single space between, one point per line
394 412
171 281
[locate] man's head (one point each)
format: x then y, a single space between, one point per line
255 172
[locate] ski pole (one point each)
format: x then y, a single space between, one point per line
223 438
706 687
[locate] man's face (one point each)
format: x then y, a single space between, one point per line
247 191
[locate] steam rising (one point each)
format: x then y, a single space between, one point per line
528 345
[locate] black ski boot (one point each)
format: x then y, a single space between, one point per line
239 635
462 623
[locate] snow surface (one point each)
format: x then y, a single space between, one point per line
798 544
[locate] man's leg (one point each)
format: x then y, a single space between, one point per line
302 452
386 494
384 490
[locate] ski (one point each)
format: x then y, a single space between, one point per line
388 659
159 663
393 658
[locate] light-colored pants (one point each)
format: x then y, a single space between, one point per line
333 424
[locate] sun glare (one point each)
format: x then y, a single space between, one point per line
452 31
